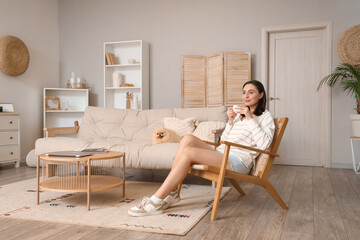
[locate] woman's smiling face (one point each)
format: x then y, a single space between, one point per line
251 95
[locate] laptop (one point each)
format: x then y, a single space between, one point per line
69 154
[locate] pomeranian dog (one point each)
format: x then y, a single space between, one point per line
164 135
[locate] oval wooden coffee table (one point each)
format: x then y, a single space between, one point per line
97 172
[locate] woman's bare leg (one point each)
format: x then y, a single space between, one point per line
186 142
189 141
189 156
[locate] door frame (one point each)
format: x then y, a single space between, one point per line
327 26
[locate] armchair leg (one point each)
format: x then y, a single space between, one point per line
220 183
216 201
236 186
275 195
179 188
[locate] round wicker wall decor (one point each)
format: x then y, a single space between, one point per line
348 47
14 56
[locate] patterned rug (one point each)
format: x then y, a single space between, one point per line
108 208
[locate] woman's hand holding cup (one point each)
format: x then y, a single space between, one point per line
243 110
231 115
236 109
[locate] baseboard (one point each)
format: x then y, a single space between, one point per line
333 165
342 165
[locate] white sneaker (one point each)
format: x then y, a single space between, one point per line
171 199
147 208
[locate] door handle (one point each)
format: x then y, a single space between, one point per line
273 98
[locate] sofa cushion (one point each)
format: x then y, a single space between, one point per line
203 130
144 156
53 144
107 123
180 126
159 156
132 152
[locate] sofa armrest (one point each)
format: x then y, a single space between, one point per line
53 132
217 134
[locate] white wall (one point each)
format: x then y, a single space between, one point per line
36 23
203 27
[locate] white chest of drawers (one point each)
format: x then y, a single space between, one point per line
10 138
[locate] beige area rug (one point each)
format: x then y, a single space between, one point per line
108 208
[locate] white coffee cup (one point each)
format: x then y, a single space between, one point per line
236 109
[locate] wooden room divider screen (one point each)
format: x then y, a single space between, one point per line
215 80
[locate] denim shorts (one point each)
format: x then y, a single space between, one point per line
237 164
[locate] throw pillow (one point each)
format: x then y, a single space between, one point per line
180 126
203 130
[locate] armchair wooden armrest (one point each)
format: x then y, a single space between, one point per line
53 132
217 134
250 148
212 143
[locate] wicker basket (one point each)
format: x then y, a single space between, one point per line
348 47
14 56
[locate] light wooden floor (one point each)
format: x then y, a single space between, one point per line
323 204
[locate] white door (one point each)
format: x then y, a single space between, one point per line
297 62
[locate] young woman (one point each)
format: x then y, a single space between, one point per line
249 124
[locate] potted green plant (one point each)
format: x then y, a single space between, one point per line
349 77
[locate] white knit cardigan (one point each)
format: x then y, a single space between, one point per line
257 132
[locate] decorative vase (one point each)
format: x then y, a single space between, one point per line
73 83
116 79
355 120
135 103
78 83
73 80
64 104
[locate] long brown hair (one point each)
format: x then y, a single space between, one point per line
260 108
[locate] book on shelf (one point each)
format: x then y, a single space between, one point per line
113 59
108 59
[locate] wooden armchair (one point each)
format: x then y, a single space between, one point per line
259 174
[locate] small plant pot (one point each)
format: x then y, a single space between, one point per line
355 120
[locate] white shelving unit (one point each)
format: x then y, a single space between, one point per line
75 99
137 73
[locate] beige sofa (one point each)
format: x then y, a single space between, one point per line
128 131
